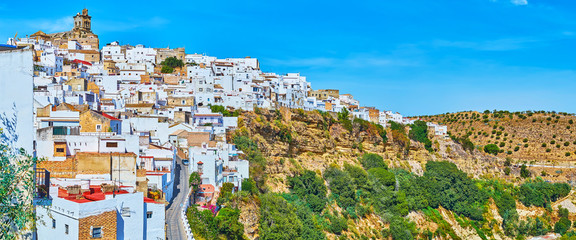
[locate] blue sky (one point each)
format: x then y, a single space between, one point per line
415 56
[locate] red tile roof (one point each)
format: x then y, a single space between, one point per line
110 117
83 62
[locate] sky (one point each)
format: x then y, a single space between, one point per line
416 57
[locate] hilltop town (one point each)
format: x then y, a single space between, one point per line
113 141
120 129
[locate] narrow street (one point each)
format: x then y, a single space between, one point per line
175 229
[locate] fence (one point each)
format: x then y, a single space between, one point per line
185 206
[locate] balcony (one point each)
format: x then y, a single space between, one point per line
42 190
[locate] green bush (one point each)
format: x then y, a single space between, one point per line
540 193
382 176
419 132
338 224
167 69
562 226
310 188
344 119
278 219
491 149
172 62
249 185
358 174
444 179
224 226
225 112
524 172
342 187
372 160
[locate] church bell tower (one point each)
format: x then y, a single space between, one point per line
82 22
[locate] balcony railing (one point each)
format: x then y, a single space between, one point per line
42 192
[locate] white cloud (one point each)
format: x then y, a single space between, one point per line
519 2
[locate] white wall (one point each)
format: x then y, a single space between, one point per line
155 225
64 212
130 227
16 87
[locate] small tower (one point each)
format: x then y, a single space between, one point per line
82 21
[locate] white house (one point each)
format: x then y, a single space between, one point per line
82 210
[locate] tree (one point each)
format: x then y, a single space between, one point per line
172 62
341 185
562 225
402 229
524 172
382 176
508 162
194 182
344 119
309 187
228 224
16 183
444 180
278 219
226 190
419 132
337 224
372 160
491 149
167 69
358 174
249 185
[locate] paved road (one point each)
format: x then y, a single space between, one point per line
175 229
546 166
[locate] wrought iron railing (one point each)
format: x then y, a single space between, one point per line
42 184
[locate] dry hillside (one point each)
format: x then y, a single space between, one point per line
525 136
293 140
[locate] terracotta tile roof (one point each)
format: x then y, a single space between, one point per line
136 105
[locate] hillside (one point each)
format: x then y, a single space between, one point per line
526 136
326 176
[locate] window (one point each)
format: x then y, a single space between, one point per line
149 214
53 223
96 232
112 144
66 228
98 127
60 150
125 212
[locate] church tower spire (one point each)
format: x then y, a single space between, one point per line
83 22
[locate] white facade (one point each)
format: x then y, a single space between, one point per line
137 218
16 96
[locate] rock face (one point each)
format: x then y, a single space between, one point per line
292 140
